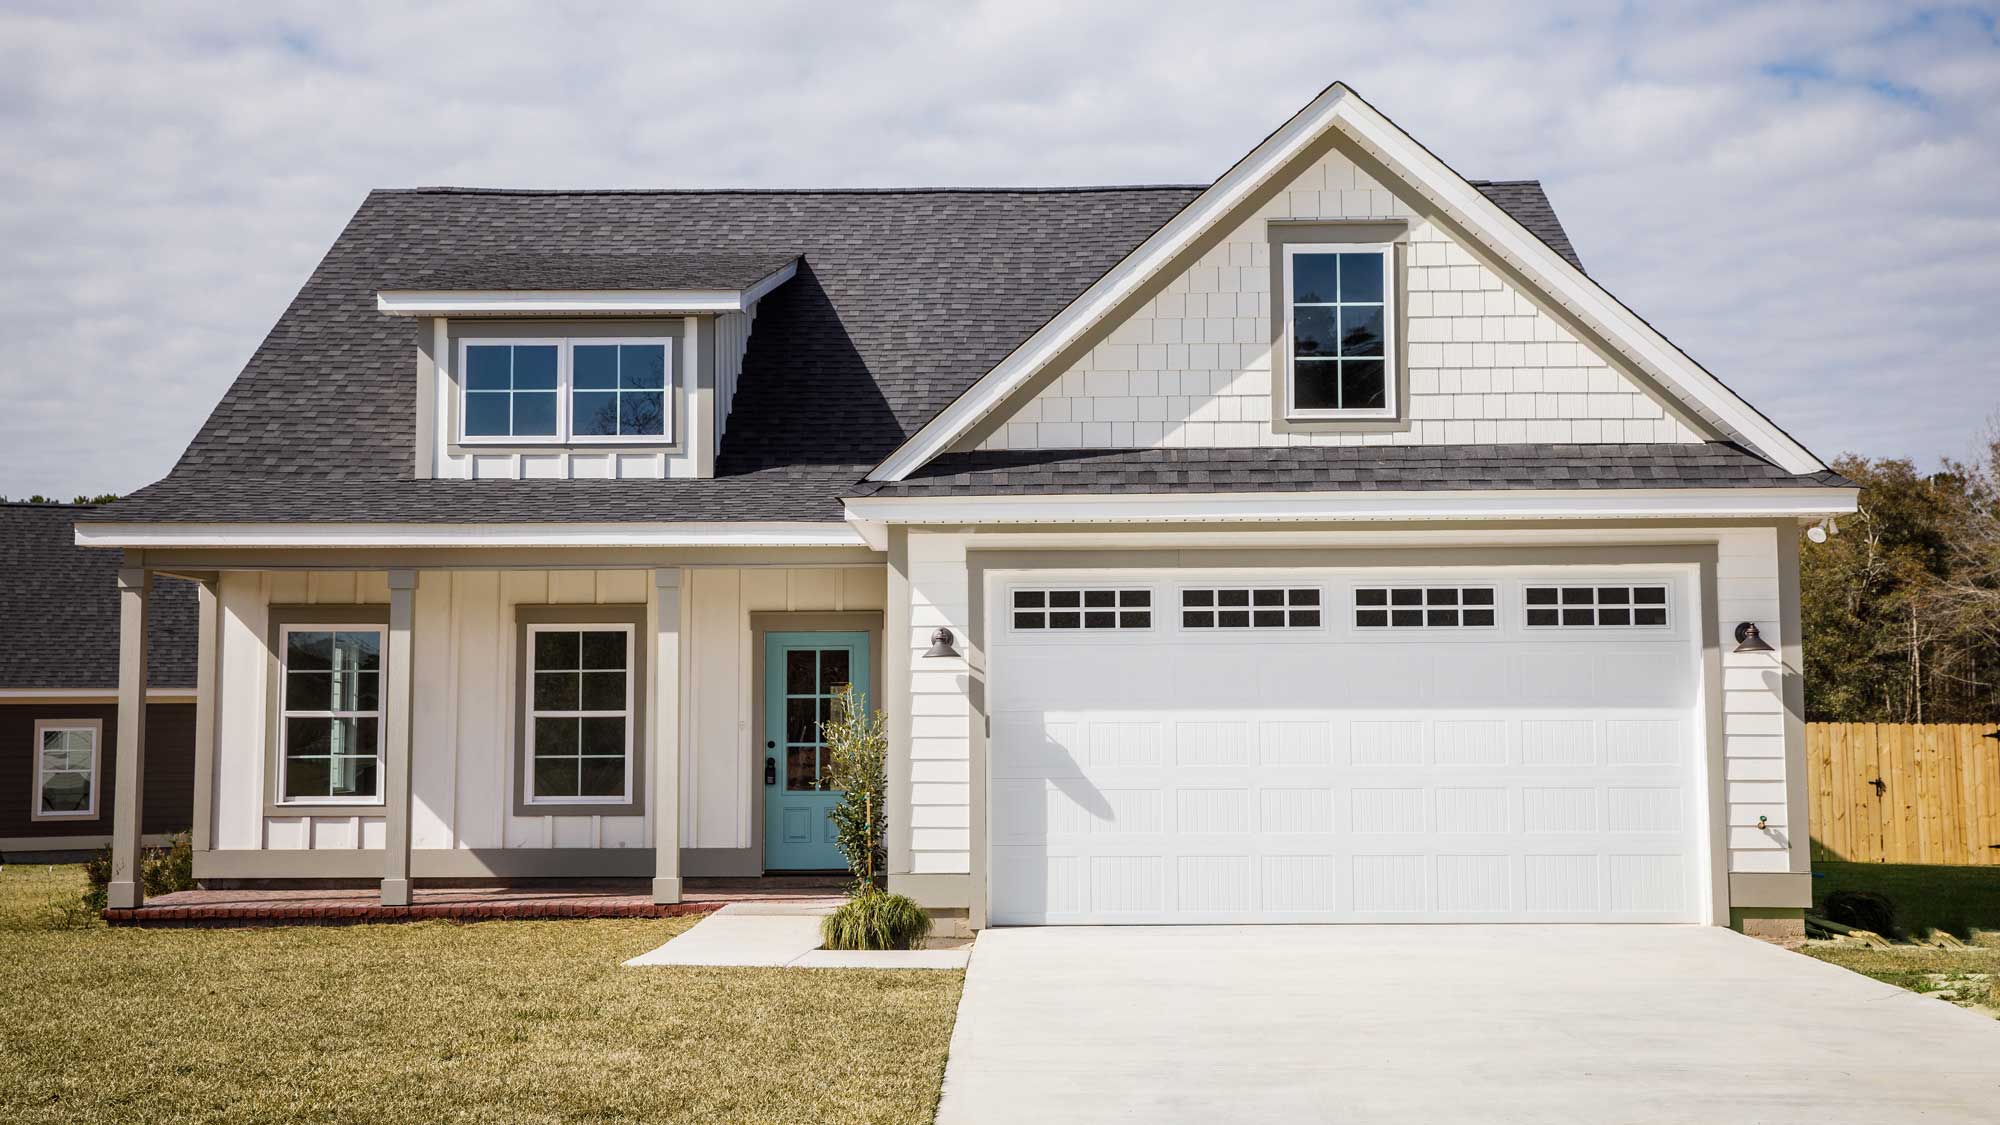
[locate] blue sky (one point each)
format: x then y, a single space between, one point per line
1804 196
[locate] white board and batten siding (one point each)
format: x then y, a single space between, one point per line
1193 367
465 705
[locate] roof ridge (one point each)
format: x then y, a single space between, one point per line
447 189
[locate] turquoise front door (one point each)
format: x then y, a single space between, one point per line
802 674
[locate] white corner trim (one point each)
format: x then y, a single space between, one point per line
1337 106
745 534
18 696
479 302
1292 507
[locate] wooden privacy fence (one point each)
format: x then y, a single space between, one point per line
1904 792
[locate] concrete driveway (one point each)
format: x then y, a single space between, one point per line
1435 1024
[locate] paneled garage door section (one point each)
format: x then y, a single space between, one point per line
1344 747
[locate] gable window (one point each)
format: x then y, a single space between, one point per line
580 714
66 768
584 390
330 715
1340 351
1597 606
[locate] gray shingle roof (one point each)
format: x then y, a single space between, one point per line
516 271
902 300
1529 205
1344 469
59 608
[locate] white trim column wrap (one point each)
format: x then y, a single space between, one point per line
666 736
126 890
396 747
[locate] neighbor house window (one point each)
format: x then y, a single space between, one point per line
1423 607
330 717
1597 606
1088 610
566 390
580 714
66 766
1339 309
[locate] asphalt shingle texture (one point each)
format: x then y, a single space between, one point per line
59 608
1344 469
902 300
569 271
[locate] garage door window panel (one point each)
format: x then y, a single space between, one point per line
1088 610
1426 607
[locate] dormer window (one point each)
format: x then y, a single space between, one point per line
567 391
1339 342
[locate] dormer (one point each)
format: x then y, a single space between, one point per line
574 366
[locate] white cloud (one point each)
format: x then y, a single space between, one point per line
1799 194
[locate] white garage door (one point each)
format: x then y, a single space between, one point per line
1339 746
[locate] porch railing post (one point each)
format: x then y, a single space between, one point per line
667 737
127 889
396 737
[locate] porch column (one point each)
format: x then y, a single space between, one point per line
135 588
667 737
395 737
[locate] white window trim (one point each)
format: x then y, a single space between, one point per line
278 798
1670 625
565 346
1390 390
528 783
96 729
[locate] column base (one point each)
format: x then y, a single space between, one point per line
124 896
395 892
666 892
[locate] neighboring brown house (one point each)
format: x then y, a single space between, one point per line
59 689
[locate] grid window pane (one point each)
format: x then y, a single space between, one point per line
1423 606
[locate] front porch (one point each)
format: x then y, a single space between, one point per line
589 898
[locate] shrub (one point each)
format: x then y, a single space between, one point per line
875 920
161 870
857 744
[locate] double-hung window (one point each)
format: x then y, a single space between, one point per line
559 390
1340 317
330 718
580 714
66 768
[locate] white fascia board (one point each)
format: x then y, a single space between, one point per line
1337 106
16 696
747 534
1103 295
481 302
1292 507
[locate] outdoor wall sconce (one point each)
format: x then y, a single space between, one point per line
941 645
1747 639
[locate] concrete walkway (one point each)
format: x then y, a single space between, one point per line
1432 1024
783 935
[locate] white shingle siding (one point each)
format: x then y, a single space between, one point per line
1194 366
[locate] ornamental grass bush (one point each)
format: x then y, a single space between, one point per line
875 920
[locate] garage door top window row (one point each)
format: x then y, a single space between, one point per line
1094 610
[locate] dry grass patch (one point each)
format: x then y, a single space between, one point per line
435 1021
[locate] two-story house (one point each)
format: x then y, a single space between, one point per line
1317 544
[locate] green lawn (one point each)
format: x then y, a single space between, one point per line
435 1021
1964 901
